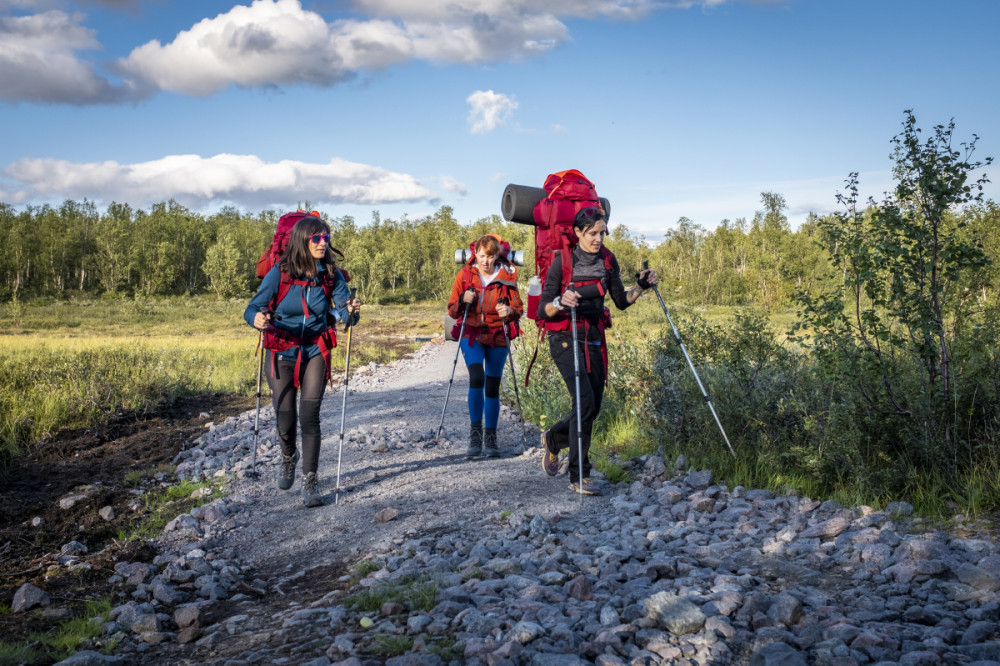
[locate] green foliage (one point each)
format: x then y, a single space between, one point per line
18 653
392 646
64 639
894 337
414 594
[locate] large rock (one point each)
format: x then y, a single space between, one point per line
27 597
678 615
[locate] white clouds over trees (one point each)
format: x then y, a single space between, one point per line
194 180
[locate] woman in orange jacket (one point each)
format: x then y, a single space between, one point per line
486 288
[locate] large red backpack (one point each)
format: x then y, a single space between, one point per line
551 209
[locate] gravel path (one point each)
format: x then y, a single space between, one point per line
432 485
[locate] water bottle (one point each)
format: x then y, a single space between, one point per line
534 295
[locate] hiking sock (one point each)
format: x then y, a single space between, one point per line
491 402
476 381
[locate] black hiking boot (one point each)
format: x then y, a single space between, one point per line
475 441
490 449
287 476
310 490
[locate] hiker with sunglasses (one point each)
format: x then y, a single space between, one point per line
594 273
299 303
485 293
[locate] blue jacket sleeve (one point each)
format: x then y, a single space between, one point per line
268 290
341 292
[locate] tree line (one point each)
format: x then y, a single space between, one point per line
75 249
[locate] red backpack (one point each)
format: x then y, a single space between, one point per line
552 211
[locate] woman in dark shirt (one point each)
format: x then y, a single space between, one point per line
594 273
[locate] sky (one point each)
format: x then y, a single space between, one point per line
673 108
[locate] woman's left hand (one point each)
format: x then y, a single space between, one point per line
353 306
503 310
649 275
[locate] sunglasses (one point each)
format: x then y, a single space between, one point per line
316 238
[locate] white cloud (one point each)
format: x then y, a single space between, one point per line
488 110
278 42
194 180
449 184
38 62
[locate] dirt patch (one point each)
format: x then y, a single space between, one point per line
34 527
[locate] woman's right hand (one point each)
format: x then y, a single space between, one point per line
260 320
569 299
469 295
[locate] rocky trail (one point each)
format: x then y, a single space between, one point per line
430 558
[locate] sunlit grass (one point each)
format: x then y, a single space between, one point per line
71 363
63 640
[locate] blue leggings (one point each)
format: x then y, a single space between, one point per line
485 365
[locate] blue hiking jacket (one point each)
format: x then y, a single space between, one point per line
289 315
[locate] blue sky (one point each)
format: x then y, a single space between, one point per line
672 107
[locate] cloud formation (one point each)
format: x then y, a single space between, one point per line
277 42
38 62
488 110
193 180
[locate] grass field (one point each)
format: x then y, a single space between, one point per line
71 363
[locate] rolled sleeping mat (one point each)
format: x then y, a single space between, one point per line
518 203
515 257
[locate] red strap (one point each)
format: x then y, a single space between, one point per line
541 336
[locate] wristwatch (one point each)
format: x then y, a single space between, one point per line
556 303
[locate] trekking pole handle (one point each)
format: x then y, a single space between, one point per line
354 293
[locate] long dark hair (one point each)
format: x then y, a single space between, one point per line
297 261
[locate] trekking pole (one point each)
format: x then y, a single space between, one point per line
256 418
343 405
513 375
680 343
576 377
454 365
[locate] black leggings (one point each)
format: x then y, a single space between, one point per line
312 382
563 432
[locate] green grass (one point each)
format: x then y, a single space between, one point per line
164 504
17 653
69 364
414 594
446 648
62 641
393 646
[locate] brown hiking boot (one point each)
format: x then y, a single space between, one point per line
310 490
287 476
550 459
490 449
475 441
588 487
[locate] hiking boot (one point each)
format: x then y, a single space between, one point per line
310 490
475 441
490 449
588 487
287 477
550 460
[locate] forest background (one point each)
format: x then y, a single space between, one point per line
856 358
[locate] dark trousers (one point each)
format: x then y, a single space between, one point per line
312 382
563 433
